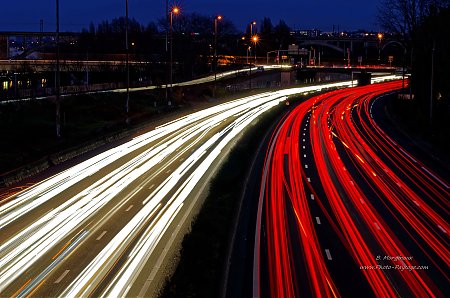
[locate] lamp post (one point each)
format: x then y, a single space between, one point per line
380 37
57 79
174 10
255 39
216 19
251 27
167 45
127 104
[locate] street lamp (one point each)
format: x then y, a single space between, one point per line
127 104
255 40
380 37
175 10
57 79
216 19
251 27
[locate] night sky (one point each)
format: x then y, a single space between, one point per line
76 14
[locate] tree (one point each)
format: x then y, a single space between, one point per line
282 34
404 16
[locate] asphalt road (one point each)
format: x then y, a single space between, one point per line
344 210
108 226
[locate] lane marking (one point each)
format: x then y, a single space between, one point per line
434 176
21 288
309 179
151 186
304 155
318 220
304 147
101 235
442 229
61 277
377 226
61 250
129 208
306 166
312 197
327 252
168 171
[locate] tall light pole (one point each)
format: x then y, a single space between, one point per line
57 78
380 37
251 27
216 19
127 104
167 45
174 10
255 40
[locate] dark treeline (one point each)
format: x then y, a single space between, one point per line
193 41
108 36
424 27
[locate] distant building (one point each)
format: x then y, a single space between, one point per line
306 33
4 51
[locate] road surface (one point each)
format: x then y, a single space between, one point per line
107 226
344 210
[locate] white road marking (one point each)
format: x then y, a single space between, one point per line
318 220
61 277
434 176
309 179
151 186
312 197
101 235
306 166
442 229
304 155
327 252
129 208
377 226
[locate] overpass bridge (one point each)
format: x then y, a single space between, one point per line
30 41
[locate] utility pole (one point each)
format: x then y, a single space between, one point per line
57 77
127 104
432 83
216 19
167 48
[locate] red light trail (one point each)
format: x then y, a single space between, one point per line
367 181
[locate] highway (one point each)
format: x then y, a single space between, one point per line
344 210
107 226
206 79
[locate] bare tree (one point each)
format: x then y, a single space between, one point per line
404 16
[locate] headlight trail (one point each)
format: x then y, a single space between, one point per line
149 179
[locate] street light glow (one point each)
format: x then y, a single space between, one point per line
176 10
219 17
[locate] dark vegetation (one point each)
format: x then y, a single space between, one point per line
28 128
204 249
424 27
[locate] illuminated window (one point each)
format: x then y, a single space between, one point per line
43 83
5 85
